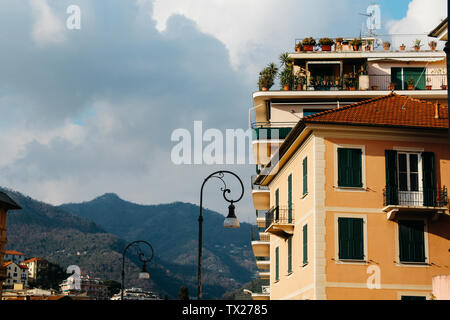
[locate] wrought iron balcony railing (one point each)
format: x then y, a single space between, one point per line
279 215
430 197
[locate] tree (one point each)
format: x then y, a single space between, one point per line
183 294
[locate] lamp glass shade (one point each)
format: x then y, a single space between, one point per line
231 221
144 275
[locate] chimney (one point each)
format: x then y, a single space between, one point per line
436 110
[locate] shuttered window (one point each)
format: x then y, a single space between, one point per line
290 198
277 263
305 244
305 176
349 167
289 242
411 241
351 238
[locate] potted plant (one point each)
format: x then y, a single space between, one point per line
299 81
350 82
286 79
443 86
298 47
417 44
309 43
338 44
267 77
402 47
326 44
392 86
368 46
356 43
410 84
386 45
432 45
428 86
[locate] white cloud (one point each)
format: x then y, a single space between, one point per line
47 29
422 17
255 31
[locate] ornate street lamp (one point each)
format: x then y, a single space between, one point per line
142 257
230 222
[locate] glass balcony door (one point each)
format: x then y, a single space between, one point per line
409 175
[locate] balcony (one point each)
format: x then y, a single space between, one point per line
263 294
432 201
269 131
260 195
280 221
260 244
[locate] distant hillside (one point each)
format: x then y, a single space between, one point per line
172 229
93 235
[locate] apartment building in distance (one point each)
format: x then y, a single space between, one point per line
6 204
323 150
16 274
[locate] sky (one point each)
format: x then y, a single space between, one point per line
92 110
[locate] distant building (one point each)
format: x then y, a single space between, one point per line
35 265
6 204
136 294
15 256
92 288
16 274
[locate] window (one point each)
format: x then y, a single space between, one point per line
401 76
349 167
410 178
289 242
277 263
277 204
305 175
290 198
411 240
305 244
351 238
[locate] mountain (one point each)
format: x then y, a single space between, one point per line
94 234
172 230
43 230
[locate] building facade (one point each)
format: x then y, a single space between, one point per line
6 204
359 204
16 274
92 288
35 265
14 256
326 80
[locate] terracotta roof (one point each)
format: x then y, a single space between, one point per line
14 252
32 260
7 263
391 110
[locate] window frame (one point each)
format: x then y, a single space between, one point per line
363 168
337 259
425 239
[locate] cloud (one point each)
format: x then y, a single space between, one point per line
422 17
47 29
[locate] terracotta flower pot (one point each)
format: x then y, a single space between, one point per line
410 87
416 48
444 87
392 87
402 48
286 88
263 89
299 87
298 49
428 87
355 48
326 47
308 47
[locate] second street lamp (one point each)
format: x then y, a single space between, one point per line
230 222
143 275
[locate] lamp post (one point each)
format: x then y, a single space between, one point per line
142 257
230 222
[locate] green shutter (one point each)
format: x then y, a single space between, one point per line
429 179
305 244
351 238
277 204
411 241
391 192
305 176
290 198
277 263
396 77
349 167
417 75
290 255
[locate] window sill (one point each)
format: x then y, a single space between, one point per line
352 261
350 189
304 196
412 264
304 264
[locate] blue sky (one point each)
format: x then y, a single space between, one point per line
90 111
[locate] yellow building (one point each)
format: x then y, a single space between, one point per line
358 202
6 204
